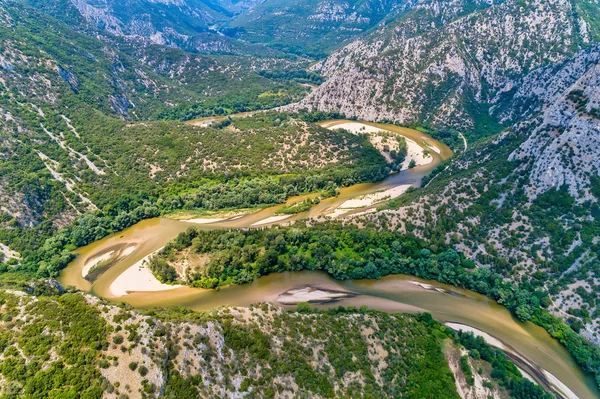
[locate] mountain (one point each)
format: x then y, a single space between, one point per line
310 27
98 132
189 24
72 103
445 64
524 202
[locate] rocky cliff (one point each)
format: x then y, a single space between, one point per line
444 64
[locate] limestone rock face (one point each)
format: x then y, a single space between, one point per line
564 146
444 63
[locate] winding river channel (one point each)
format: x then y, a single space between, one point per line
532 348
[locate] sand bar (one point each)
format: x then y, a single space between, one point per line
559 386
551 379
204 220
371 199
356 128
415 152
478 333
432 147
312 295
138 278
105 257
271 219
94 261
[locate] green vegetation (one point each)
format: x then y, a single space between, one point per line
305 28
58 343
305 352
54 346
278 163
73 115
347 252
503 370
299 207
65 360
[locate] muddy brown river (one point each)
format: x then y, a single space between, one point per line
391 294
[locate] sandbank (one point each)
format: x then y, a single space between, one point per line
357 127
549 378
105 257
312 295
271 219
138 278
415 152
478 333
204 220
371 199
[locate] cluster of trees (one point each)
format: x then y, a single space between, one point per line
222 189
255 92
298 75
347 252
47 257
300 207
503 370
90 92
66 326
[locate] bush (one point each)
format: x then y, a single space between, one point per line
118 339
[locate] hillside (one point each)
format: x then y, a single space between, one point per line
98 132
189 25
126 168
96 349
310 27
79 130
444 64
525 202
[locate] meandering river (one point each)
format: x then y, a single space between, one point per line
392 293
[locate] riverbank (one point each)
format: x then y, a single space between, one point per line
534 373
194 298
138 278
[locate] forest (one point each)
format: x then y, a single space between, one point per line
318 161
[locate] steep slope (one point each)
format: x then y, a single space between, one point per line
311 27
443 64
525 202
189 24
76 346
71 139
562 148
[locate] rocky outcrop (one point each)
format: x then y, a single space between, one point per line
563 147
444 63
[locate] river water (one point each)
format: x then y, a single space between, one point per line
392 294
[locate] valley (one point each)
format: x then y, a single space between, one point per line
299 199
130 279
390 294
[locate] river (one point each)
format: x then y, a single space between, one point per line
391 294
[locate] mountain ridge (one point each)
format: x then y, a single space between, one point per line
447 76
